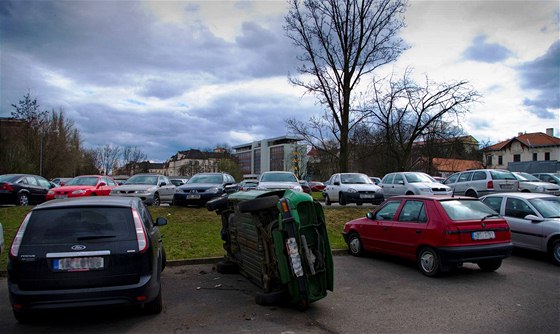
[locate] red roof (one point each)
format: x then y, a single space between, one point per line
537 139
455 165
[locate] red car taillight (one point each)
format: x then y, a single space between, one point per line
452 234
6 186
140 232
14 249
490 184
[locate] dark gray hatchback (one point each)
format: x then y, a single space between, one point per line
91 251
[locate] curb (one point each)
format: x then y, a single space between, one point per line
205 260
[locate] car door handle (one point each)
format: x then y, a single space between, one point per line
385 228
418 231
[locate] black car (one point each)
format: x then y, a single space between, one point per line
88 251
203 187
23 189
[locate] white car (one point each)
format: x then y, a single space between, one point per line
356 188
532 184
412 183
279 180
534 220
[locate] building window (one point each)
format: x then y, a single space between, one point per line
546 156
257 161
277 158
516 157
489 160
535 156
244 160
500 160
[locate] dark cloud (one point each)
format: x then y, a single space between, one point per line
543 75
482 51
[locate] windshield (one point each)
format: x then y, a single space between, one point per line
206 178
83 181
278 177
143 179
466 209
355 178
418 177
548 207
526 177
502 175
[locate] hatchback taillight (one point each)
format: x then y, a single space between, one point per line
6 186
140 232
490 184
14 250
452 234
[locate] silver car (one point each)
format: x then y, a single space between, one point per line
153 189
532 184
279 180
412 183
534 220
480 182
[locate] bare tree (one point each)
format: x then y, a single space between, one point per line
341 41
107 157
407 112
132 155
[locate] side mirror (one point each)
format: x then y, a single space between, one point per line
534 218
401 182
370 215
101 184
160 221
162 184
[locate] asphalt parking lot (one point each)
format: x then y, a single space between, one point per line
373 294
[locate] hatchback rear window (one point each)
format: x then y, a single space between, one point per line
466 209
72 225
502 175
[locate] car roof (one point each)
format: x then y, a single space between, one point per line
521 195
432 197
112 201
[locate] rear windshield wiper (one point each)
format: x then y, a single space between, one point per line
490 215
91 237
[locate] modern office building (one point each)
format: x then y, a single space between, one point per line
273 154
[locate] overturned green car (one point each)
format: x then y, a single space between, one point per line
278 240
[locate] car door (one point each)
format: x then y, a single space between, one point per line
407 231
333 187
524 232
387 185
167 189
37 192
463 183
399 186
375 236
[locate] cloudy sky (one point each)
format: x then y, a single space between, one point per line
173 75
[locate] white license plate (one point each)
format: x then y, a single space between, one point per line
60 196
506 186
78 263
367 196
193 196
483 235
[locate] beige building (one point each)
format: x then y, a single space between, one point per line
526 147
188 163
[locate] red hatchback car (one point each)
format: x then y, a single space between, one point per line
85 185
439 233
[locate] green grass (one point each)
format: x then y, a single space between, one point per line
191 233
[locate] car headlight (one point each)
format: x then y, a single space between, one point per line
539 189
78 192
425 190
213 190
352 190
51 192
